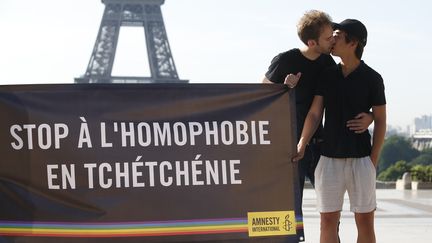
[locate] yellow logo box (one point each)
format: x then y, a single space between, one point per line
271 223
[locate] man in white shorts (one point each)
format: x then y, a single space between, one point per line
348 159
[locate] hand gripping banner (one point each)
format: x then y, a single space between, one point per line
147 163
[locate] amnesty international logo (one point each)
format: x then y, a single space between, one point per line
271 223
288 223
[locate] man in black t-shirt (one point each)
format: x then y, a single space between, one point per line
348 160
301 69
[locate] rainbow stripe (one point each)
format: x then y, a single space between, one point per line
299 223
124 229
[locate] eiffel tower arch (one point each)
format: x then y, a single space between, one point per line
146 14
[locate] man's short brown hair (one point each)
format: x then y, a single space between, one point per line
311 24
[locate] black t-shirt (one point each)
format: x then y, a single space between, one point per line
344 98
293 62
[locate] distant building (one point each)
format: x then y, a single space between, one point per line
395 131
423 123
422 132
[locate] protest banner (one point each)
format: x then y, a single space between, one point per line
147 163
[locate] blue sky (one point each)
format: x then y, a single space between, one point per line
212 41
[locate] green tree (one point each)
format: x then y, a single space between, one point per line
428 151
395 171
425 158
422 159
422 173
395 148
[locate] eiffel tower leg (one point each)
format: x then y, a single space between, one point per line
102 59
160 58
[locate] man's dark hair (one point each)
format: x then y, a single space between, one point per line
360 47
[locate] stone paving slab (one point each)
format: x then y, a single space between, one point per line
401 216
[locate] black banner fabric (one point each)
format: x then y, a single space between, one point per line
147 163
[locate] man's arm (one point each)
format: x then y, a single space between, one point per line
291 80
380 120
266 81
313 119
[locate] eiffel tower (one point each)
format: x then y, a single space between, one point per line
138 13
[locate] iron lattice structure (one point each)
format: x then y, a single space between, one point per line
138 13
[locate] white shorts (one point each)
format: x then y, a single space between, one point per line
334 176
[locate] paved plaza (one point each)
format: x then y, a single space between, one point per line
402 216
